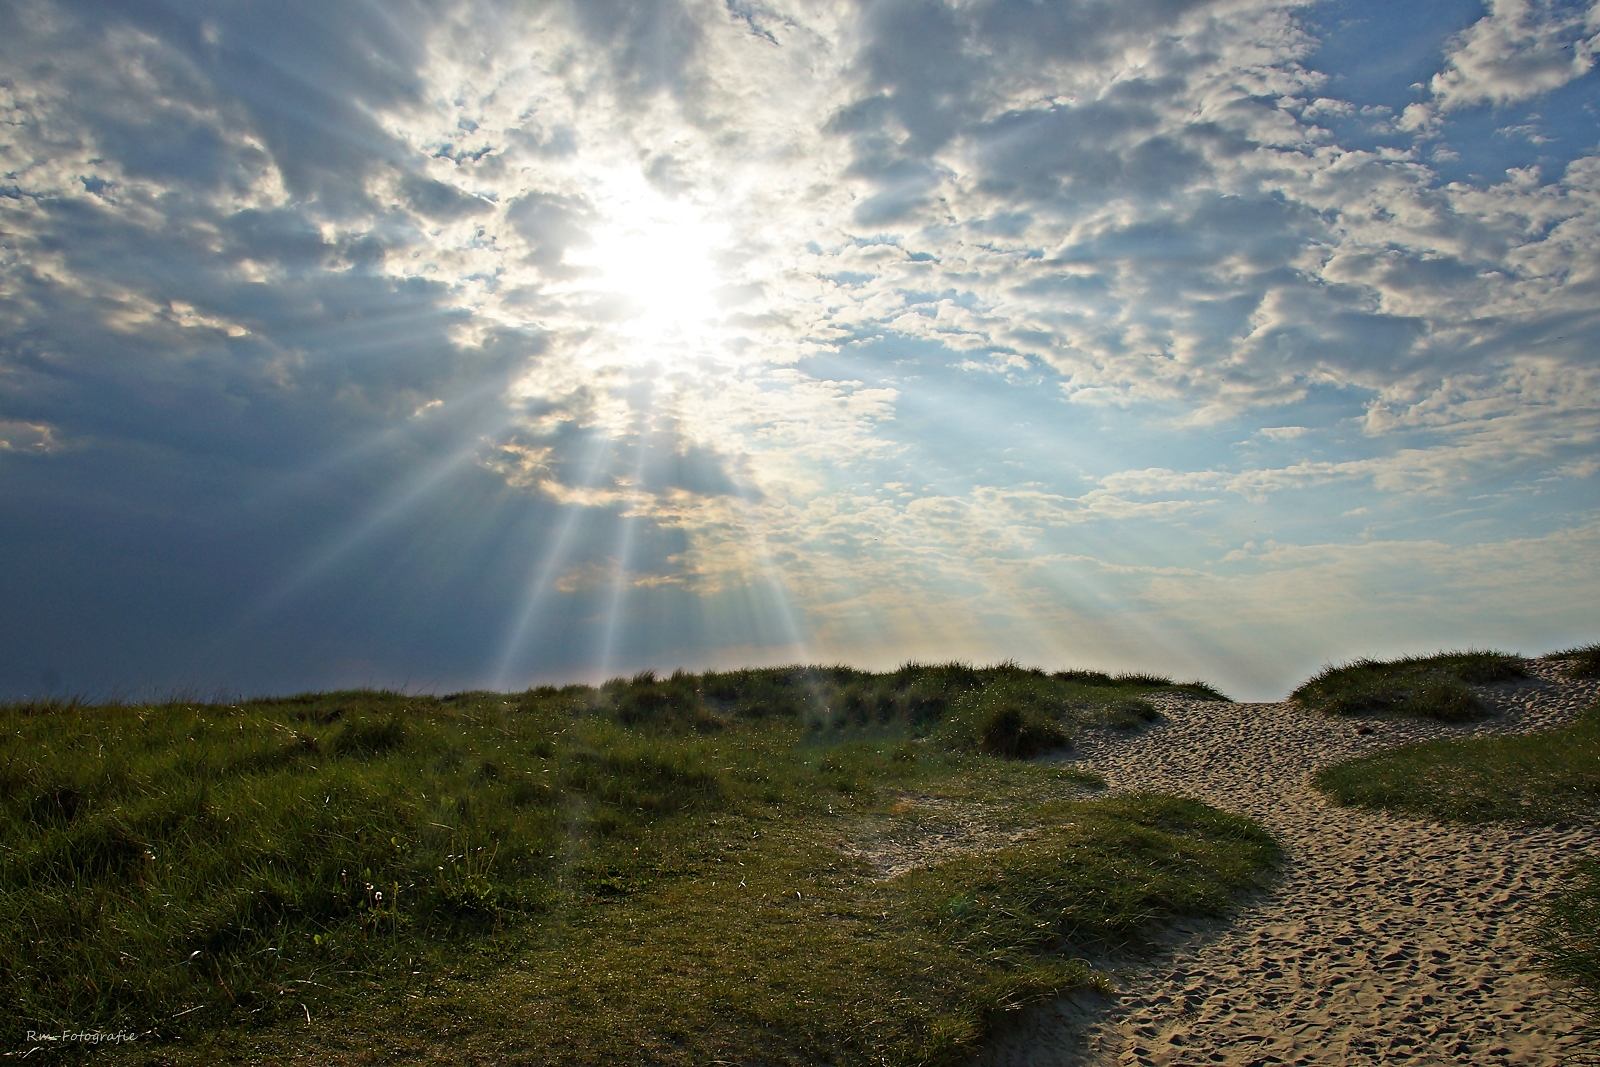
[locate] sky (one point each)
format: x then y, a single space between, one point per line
455 345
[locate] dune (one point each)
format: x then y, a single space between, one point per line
1387 939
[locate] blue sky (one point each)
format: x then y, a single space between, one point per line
448 345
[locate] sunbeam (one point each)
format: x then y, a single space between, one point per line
556 549
612 624
409 494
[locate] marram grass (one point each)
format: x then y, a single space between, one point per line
1580 662
1536 778
1567 937
659 870
1434 687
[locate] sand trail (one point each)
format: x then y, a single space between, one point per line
1385 939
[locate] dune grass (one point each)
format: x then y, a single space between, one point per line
658 870
1568 935
1530 778
1580 662
1535 778
1433 687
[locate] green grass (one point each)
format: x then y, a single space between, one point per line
1434 687
1531 778
651 871
1568 935
1535 778
1581 662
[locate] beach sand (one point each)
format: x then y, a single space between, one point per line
1385 939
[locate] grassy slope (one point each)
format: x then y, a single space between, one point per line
645 872
1580 662
1532 778
1539 778
1435 687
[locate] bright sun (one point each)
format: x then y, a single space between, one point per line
651 260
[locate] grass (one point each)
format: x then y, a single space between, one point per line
1568 935
1434 687
1581 662
1537 778
662 870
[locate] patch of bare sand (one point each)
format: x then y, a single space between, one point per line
1385 940
920 830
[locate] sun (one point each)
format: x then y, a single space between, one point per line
649 265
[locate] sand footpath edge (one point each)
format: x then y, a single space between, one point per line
1385 939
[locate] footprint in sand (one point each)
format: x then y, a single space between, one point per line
1385 940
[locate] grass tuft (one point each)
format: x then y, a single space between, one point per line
1011 731
1581 662
1567 937
1434 687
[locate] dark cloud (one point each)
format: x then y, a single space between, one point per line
183 583
1079 32
1332 330
648 44
932 69
551 225
305 78
932 65
439 201
918 54
1111 145
687 466
903 188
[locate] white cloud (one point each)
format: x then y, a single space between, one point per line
656 240
1519 50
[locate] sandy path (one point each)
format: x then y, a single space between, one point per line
1386 939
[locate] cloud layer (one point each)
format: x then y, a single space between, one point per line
465 344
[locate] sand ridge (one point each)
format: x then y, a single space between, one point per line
1385 939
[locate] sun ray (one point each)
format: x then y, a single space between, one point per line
557 549
626 531
388 511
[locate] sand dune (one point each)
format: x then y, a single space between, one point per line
1385 940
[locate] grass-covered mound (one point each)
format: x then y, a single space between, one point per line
1580 662
1536 778
1434 687
665 870
1532 778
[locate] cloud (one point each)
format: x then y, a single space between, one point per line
691 276
650 44
1384 597
35 438
1519 50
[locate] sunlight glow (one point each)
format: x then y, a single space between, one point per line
650 261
